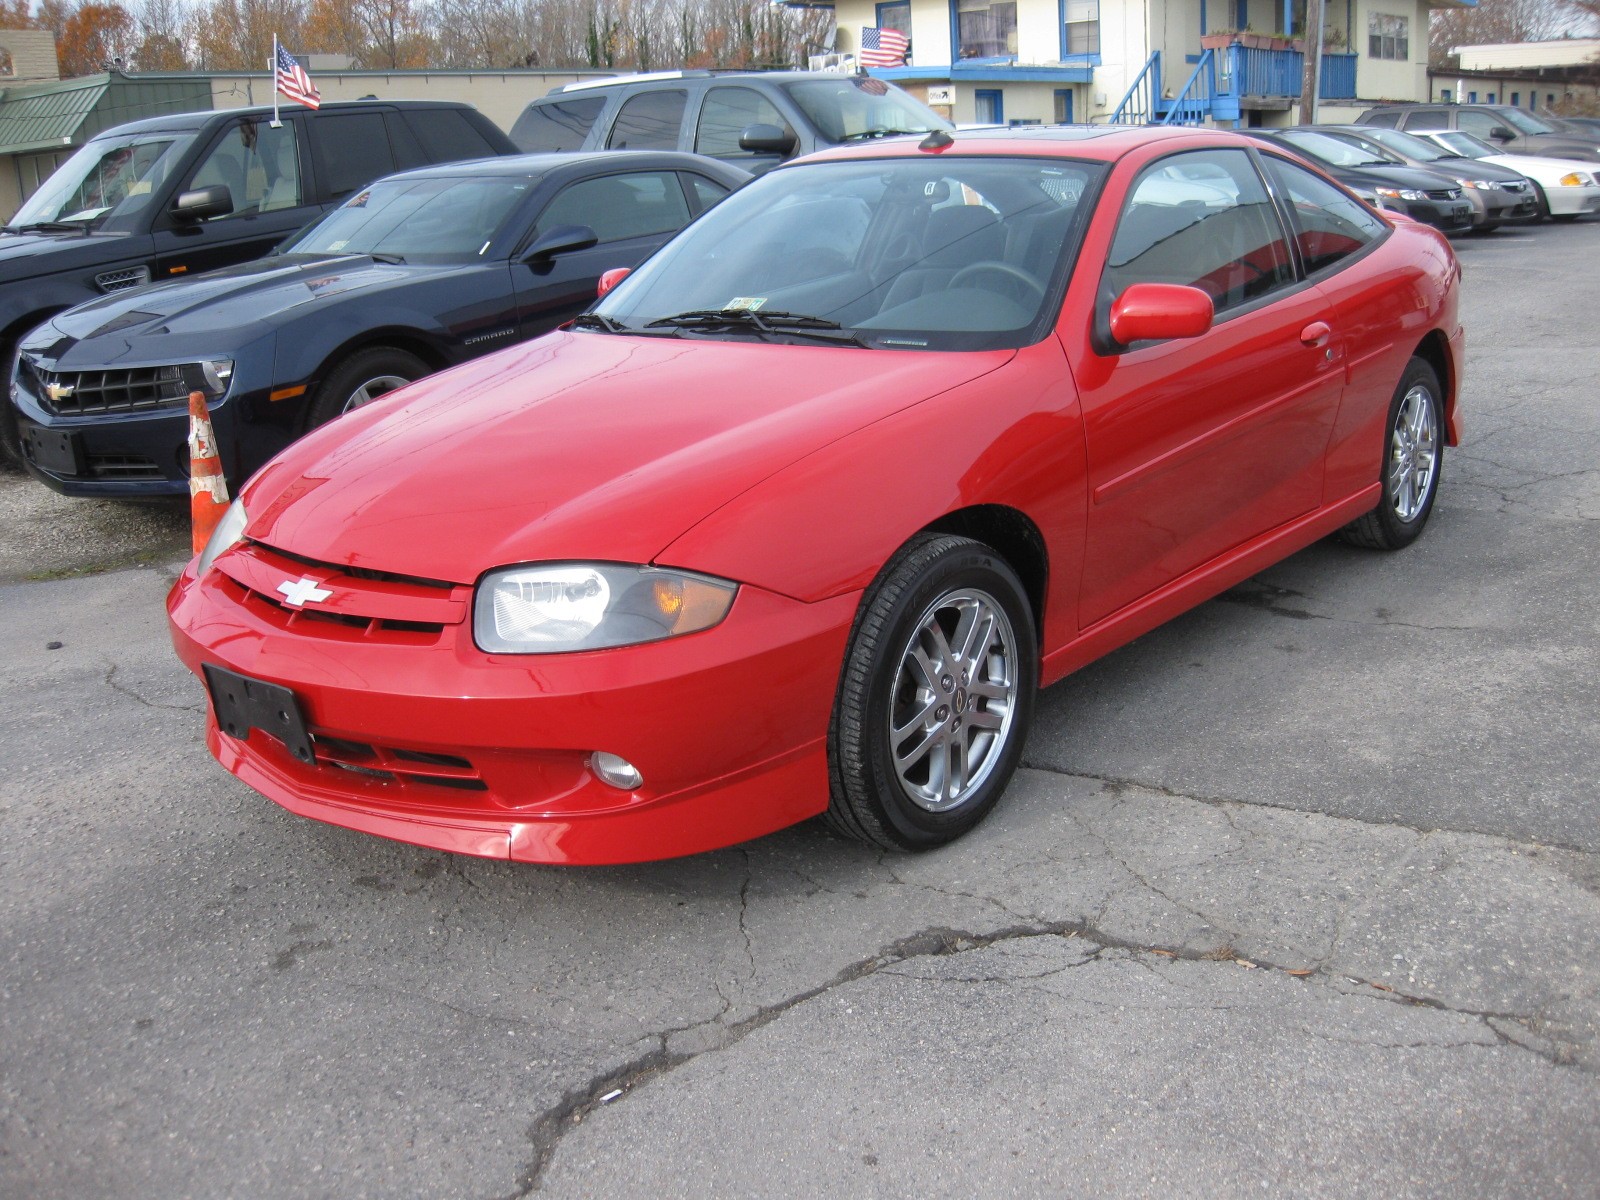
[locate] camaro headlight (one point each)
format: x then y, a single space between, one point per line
227 533
1401 193
551 608
1576 179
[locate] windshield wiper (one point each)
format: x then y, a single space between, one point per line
47 227
593 320
782 323
865 134
393 260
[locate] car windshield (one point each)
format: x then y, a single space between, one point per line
1524 122
860 107
946 253
1466 145
1407 146
419 220
1336 150
109 179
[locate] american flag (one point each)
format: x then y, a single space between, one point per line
883 47
293 81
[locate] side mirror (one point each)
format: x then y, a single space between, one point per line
766 139
1501 134
563 239
610 280
1158 311
203 203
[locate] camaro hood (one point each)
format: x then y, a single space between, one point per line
575 446
234 299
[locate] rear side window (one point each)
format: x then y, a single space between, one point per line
1202 220
1389 119
704 192
556 126
617 207
352 150
649 121
446 135
1428 120
1329 224
724 115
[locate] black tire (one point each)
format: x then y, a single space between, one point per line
1543 204
953 583
376 370
1401 514
10 433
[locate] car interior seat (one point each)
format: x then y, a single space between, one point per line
955 238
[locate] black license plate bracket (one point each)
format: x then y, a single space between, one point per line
243 704
58 451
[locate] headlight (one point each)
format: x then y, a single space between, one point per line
217 373
551 608
1401 193
227 533
1576 179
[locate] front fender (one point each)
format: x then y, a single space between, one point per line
825 525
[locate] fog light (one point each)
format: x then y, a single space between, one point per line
616 770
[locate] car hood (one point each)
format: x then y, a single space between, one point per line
1474 168
26 254
1534 164
1417 178
1559 145
575 446
235 301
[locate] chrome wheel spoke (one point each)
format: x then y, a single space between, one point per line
921 719
931 743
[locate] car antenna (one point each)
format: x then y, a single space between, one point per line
937 139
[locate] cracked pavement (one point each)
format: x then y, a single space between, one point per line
1299 892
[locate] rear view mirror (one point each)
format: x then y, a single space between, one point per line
1158 311
766 139
203 203
610 280
563 239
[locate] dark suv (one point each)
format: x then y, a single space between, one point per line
1501 125
173 196
753 120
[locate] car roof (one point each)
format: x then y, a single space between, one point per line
188 121
669 78
1105 143
534 166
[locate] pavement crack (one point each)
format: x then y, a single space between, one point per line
744 913
110 680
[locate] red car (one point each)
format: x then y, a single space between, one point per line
800 516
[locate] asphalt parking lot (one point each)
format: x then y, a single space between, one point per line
1299 893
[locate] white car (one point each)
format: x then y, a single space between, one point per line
1570 188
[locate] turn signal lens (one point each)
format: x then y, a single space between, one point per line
1574 179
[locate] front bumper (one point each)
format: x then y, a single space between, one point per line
426 739
1573 201
1447 216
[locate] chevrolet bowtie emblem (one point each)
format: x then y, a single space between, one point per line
302 591
58 392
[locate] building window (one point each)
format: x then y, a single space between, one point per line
1388 36
7 67
1444 94
989 107
986 30
1063 112
1082 26
1516 99
1472 97
896 16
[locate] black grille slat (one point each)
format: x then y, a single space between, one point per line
134 389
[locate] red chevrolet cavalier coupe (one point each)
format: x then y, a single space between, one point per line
800 516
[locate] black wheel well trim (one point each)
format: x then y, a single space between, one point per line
1013 535
1434 350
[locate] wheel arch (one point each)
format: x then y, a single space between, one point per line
390 337
1434 349
1011 533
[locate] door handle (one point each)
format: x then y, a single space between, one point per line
1315 334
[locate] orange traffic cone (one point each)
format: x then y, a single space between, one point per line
208 490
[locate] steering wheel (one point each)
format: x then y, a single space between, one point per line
992 267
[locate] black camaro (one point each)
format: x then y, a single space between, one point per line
419 271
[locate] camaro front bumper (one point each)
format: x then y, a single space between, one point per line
422 737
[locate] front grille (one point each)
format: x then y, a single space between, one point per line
122 466
393 764
133 389
1445 194
1518 186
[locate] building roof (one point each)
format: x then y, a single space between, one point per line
57 115
1516 56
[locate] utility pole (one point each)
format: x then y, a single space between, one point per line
1312 79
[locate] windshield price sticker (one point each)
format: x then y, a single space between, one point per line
744 304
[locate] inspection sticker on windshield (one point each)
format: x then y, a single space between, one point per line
744 304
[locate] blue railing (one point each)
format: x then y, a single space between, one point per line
1138 107
1252 72
1192 104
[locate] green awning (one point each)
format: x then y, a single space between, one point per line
48 116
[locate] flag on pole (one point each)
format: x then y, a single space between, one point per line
293 81
883 47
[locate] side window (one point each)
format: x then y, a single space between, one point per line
259 165
1329 224
704 192
725 113
446 135
352 150
558 126
1428 120
649 121
621 206
1389 118
1478 125
1204 220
